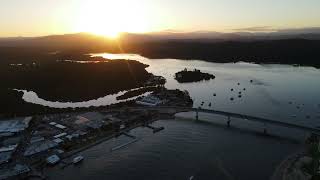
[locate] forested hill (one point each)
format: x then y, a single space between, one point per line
231 48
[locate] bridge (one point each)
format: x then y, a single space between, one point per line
230 115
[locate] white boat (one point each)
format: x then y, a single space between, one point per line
77 159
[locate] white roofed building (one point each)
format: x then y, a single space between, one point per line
14 125
149 100
54 159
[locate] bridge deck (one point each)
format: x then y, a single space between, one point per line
261 120
242 116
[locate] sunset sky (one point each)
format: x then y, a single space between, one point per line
109 17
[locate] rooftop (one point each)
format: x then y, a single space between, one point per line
14 125
92 120
53 159
8 148
149 100
5 156
89 116
17 170
39 147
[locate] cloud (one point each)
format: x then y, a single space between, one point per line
256 29
309 30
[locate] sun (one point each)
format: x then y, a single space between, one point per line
104 30
111 17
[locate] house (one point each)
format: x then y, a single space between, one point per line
52 160
90 120
58 140
14 125
149 100
6 153
39 147
60 135
60 126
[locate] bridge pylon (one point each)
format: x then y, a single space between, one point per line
197 114
265 131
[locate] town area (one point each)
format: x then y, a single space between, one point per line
28 145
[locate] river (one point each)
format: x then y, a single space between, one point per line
206 150
182 150
282 92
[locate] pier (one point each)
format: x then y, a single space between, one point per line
124 145
128 135
155 129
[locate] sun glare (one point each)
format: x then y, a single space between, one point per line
111 17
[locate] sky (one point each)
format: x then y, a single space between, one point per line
109 17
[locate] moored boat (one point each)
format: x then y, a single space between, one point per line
77 159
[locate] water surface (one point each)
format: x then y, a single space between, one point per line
207 149
280 92
182 150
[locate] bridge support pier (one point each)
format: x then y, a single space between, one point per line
262 123
265 132
197 114
229 121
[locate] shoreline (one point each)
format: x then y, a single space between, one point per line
281 170
101 140
39 169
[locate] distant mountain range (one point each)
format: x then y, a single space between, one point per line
247 34
242 35
66 40
255 44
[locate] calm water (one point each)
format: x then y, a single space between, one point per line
182 150
203 150
273 87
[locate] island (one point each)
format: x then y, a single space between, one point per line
196 75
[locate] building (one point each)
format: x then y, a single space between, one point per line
58 141
60 126
72 136
90 120
57 125
8 148
35 139
149 100
17 170
14 125
53 123
6 153
11 140
6 134
52 160
60 135
39 147
5 157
